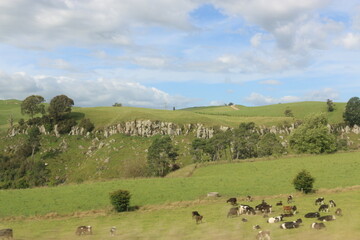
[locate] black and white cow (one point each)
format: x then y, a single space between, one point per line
293 224
332 203
317 226
275 219
312 215
324 208
246 209
319 201
327 218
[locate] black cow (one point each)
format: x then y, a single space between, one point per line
332 203
256 227
319 201
279 203
327 218
287 214
338 212
233 212
232 201
317 226
244 220
312 215
324 208
6 233
289 225
195 213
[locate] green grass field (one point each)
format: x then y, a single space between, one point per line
265 177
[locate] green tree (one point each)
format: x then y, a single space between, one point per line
60 106
86 124
313 136
352 112
161 156
330 105
245 140
269 145
120 199
32 105
288 113
304 182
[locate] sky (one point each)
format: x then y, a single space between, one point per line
180 53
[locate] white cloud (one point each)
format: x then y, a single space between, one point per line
256 39
100 92
351 41
259 99
270 82
322 95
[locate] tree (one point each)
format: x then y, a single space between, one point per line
352 112
313 136
330 105
120 199
60 106
117 104
32 105
161 156
304 181
86 124
288 113
245 141
269 145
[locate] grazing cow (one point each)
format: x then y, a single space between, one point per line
332 203
279 203
327 218
287 215
198 219
84 230
246 209
290 199
275 219
312 215
244 220
338 212
263 207
317 226
112 231
290 209
233 212
263 235
293 224
6 233
195 213
256 227
319 201
324 208
232 201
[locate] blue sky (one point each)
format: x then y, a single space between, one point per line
183 53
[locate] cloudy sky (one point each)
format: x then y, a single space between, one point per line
182 53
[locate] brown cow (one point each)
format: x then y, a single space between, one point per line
290 209
338 212
198 219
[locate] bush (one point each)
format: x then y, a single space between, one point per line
87 125
120 199
304 181
64 127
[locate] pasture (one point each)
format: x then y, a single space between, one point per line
261 177
174 221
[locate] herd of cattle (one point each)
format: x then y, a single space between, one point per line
288 211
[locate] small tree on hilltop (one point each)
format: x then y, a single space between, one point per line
330 105
120 199
304 181
60 106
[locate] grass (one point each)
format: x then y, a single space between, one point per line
174 221
267 177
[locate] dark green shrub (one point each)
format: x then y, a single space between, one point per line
120 199
269 145
65 126
304 181
87 125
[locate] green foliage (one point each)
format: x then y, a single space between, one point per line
313 136
352 112
87 125
161 156
32 105
64 126
304 182
330 105
60 106
245 141
269 145
288 113
117 105
120 200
